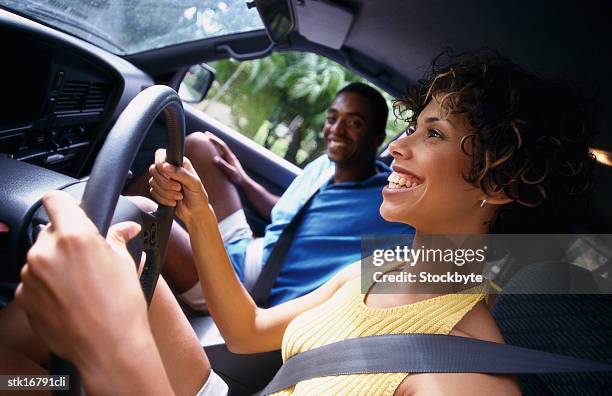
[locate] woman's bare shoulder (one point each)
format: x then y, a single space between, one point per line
352 271
346 274
478 324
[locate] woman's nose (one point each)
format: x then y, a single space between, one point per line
400 148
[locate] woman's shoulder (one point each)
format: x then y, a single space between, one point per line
349 273
478 323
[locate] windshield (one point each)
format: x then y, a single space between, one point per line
131 26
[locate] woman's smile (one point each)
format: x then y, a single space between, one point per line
402 183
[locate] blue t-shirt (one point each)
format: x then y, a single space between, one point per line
329 235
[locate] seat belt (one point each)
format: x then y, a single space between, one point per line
271 269
423 353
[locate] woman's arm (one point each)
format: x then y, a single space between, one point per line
245 327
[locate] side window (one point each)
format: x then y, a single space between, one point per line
280 101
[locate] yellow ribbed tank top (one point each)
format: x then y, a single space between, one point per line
345 316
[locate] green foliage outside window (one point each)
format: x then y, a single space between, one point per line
280 101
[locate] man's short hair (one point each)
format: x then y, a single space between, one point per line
379 107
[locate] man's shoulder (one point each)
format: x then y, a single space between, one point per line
316 174
298 190
318 166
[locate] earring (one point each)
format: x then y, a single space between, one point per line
483 203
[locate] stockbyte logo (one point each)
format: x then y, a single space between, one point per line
427 277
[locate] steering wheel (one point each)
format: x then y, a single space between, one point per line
109 175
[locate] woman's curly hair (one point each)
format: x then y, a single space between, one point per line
529 135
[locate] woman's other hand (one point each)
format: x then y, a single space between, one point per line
180 187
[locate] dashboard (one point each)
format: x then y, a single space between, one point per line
60 96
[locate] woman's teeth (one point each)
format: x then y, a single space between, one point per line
396 181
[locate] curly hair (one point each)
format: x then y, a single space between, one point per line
528 140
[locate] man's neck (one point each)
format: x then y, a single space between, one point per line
354 172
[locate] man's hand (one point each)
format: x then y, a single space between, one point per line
228 162
81 292
258 195
180 187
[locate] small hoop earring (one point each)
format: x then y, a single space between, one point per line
483 203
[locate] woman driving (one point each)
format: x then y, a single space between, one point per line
489 148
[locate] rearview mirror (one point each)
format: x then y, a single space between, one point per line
277 18
196 83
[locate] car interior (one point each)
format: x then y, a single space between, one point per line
66 84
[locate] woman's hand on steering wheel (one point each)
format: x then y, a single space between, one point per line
180 187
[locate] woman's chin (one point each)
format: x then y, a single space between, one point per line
393 214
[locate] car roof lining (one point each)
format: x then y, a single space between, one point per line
552 38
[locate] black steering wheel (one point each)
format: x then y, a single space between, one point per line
109 175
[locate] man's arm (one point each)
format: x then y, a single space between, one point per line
262 199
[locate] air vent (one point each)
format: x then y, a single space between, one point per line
81 97
96 97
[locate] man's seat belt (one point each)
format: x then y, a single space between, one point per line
423 353
271 269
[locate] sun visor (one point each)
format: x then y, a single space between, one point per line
323 22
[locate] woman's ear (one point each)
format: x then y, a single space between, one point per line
494 195
495 199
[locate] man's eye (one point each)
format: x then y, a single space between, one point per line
330 120
354 124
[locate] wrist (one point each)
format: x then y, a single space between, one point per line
127 367
245 181
205 217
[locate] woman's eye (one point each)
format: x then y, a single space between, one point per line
434 134
410 130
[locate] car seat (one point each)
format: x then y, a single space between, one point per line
576 324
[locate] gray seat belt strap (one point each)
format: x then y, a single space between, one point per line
267 278
422 353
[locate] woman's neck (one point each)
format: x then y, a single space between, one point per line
448 253
475 224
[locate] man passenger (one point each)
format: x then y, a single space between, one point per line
346 183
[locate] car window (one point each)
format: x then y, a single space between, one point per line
280 101
131 26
